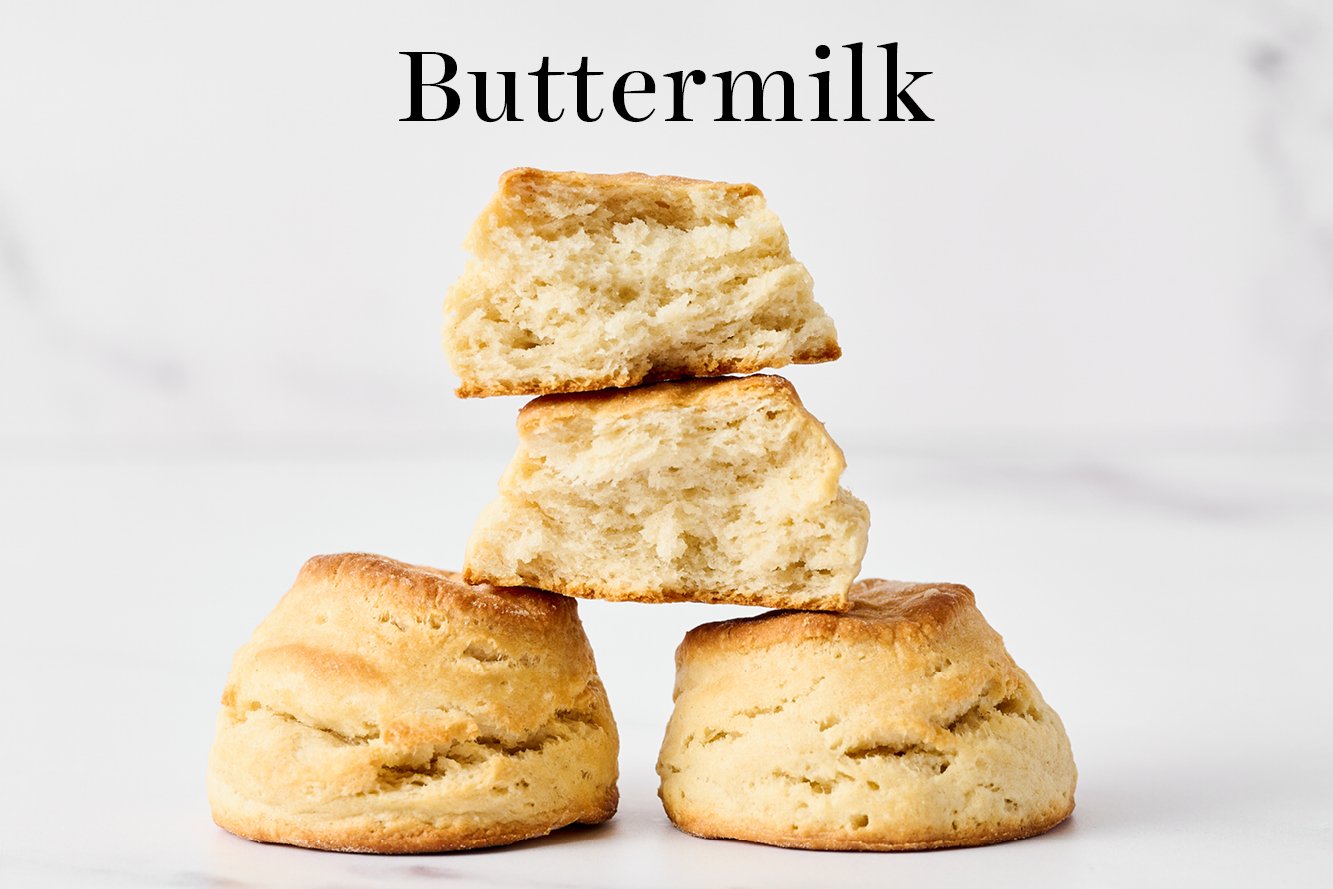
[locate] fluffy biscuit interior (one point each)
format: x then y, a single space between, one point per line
676 490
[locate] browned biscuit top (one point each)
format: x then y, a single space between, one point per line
565 203
881 610
422 590
654 396
520 178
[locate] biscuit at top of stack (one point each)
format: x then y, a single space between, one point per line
712 490
583 282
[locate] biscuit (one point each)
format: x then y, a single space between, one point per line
901 724
720 490
583 282
386 707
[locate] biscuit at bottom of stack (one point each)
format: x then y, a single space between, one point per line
901 724
386 707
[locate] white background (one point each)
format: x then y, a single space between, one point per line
1087 317
216 233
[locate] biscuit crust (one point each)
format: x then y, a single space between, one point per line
701 367
837 841
628 404
878 612
900 724
388 707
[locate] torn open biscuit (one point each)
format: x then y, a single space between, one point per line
721 490
386 707
900 724
585 281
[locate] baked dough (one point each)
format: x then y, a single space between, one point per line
583 281
901 724
721 490
386 707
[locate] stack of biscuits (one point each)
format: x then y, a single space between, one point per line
389 707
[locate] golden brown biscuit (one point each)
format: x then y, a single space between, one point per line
719 490
585 282
386 707
900 724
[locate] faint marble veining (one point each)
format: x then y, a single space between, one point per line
32 317
1293 69
1108 481
123 872
16 278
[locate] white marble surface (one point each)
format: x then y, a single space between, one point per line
1172 603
